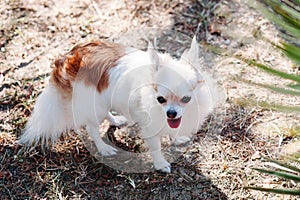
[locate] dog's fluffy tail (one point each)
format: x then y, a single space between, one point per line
50 118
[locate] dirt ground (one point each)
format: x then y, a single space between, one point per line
218 165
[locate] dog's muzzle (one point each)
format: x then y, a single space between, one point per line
172 121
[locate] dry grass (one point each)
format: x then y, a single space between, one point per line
219 160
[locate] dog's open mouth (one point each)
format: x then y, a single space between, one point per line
174 123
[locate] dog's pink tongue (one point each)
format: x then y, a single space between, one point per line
174 123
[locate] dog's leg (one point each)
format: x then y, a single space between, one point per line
103 148
179 140
159 160
118 120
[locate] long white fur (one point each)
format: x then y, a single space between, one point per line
131 93
50 118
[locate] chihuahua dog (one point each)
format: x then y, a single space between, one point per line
165 96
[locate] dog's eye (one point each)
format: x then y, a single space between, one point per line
185 99
161 100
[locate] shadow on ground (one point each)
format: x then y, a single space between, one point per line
74 173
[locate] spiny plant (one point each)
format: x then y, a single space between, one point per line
282 170
286 15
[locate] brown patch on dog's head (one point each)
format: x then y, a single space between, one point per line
89 62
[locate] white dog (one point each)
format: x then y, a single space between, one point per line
163 95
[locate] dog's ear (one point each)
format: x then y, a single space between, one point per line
191 55
153 55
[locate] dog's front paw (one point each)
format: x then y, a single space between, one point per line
181 140
107 150
117 120
163 166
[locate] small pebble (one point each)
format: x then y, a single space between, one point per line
52 29
192 174
198 177
227 42
180 180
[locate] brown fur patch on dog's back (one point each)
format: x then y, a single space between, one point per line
89 62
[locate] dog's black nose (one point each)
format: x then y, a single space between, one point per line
171 114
